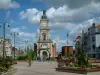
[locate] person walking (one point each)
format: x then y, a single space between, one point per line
29 62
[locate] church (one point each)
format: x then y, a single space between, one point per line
45 46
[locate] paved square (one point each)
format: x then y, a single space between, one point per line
42 68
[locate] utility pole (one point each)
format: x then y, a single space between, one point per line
4 30
67 38
14 35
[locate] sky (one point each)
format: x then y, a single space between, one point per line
65 16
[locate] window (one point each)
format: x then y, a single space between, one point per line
93 39
93 46
85 43
94 55
44 36
99 47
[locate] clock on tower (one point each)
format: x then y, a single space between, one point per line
44 48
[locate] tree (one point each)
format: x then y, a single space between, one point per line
82 59
30 54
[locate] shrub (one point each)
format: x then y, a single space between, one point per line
22 57
3 69
5 63
52 58
82 59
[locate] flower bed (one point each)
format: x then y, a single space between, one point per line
73 69
66 60
77 70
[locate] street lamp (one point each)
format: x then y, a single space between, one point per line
25 44
4 30
14 35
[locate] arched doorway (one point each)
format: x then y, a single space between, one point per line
44 55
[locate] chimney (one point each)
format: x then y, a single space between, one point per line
44 12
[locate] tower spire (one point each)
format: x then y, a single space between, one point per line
44 12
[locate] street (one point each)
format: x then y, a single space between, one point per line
41 68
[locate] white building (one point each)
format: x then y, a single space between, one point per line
91 41
8 47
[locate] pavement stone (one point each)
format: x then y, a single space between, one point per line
42 68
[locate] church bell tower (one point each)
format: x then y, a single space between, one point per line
44 43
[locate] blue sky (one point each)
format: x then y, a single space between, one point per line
65 16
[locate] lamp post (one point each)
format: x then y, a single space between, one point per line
4 30
25 45
14 35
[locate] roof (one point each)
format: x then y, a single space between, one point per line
44 15
98 26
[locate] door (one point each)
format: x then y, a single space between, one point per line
44 55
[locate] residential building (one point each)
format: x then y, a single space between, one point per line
8 47
90 42
67 50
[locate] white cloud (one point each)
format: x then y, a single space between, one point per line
12 21
62 15
33 15
23 36
60 43
23 27
15 30
66 18
22 33
7 14
5 4
83 26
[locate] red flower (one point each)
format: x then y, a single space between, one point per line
98 67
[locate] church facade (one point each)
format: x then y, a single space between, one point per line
45 46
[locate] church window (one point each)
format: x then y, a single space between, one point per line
44 36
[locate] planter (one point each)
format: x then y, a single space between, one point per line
71 70
98 67
77 70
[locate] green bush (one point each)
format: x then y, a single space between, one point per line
76 64
5 63
82 59
22 57
3 69
52 58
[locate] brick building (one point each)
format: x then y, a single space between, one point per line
66 50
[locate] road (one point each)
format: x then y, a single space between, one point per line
41 68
